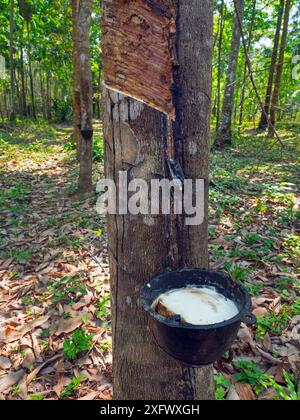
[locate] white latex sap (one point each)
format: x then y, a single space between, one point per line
199 306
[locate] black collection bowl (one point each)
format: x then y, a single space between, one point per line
195 345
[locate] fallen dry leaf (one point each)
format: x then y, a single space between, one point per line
9 334
245 392
10 379
5 363
67 326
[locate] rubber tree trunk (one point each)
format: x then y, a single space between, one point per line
12 114
33 109
23 83
142 246
83 81
224 131
76 81
277 82
243 93
264 116
220 44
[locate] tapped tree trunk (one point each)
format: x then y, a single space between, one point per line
224 131
144 245
12 115
83 91
277 83
264 116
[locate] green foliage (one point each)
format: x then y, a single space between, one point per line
73 386
250 373
274 322
62 109
36 397
67 290
103 307
98 149
79 344
222 385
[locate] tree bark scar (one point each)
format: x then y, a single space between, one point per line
138 50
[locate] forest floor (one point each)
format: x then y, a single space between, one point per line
54 279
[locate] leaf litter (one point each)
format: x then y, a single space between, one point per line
54 275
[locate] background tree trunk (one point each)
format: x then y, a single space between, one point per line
220 44
23 84
277 83
264 115
251 25
12 115
83 90
76 81
142 246
224 133
33 109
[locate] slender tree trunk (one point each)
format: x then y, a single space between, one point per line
245 66
76 81
83 76
264 115
224 132
43 98
33 108
23 84
221 31
12 115
142 246
48 95
277 83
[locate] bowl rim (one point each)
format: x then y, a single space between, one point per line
245 315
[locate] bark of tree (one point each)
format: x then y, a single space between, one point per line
23 84
33 108
43 97
48 95
245 66
76 82
142 246
220 43
224 131
83 91
277 83
12 115
264 115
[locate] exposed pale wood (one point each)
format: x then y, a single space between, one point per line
137 40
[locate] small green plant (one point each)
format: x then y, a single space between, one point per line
16 390
237 272
73 386
256 288
250 373
222 386
45 333
98 149
103 306
105 346
80 343
27 300
252 238
52 222
67 290
274 322
36 397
